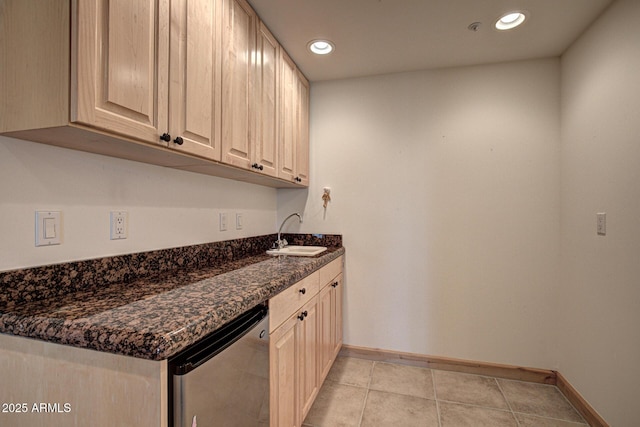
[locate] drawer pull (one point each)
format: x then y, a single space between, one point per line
303 291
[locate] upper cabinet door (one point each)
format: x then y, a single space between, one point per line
294 134
302 141
288 131
238 47
121 66
267 102
194 90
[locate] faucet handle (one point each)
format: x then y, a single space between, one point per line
279 244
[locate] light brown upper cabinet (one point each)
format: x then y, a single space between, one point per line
190 84
302 130
122 67
267 85
149 72
238 44
250 82
294 133
195 77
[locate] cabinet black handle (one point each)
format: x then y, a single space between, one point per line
303 291
257 166
165 137
297 179
334 284
178 140
302 315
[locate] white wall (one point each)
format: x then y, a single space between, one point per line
445 186
167 208
600 301
467 209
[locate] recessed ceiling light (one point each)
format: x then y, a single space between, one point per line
510 20
321 47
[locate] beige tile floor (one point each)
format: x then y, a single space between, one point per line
363 393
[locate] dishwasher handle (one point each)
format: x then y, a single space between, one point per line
214 343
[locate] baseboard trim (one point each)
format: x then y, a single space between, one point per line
588 413
535 375
542 376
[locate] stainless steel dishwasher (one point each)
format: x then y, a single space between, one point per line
223 380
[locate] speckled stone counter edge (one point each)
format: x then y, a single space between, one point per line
112 331
50 281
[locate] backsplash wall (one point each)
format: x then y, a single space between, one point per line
167 208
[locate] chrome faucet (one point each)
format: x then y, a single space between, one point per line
281 243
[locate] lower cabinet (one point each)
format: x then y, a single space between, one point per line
283 375
304 346
330 339
307 343
337 305
45 384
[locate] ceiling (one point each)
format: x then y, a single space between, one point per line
388 36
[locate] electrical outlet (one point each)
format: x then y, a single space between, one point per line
119 225
239 221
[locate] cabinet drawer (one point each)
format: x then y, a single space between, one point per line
283 305
330 271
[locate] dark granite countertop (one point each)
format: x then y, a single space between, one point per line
156 316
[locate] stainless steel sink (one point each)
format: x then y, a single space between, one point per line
298 251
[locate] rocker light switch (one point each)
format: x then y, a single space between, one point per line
48 228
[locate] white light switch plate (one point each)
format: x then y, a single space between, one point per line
48 228
601 223
223 221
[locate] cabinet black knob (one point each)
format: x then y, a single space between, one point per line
165 137
334 284
297 179
303 291
301 316
178 140
257 166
